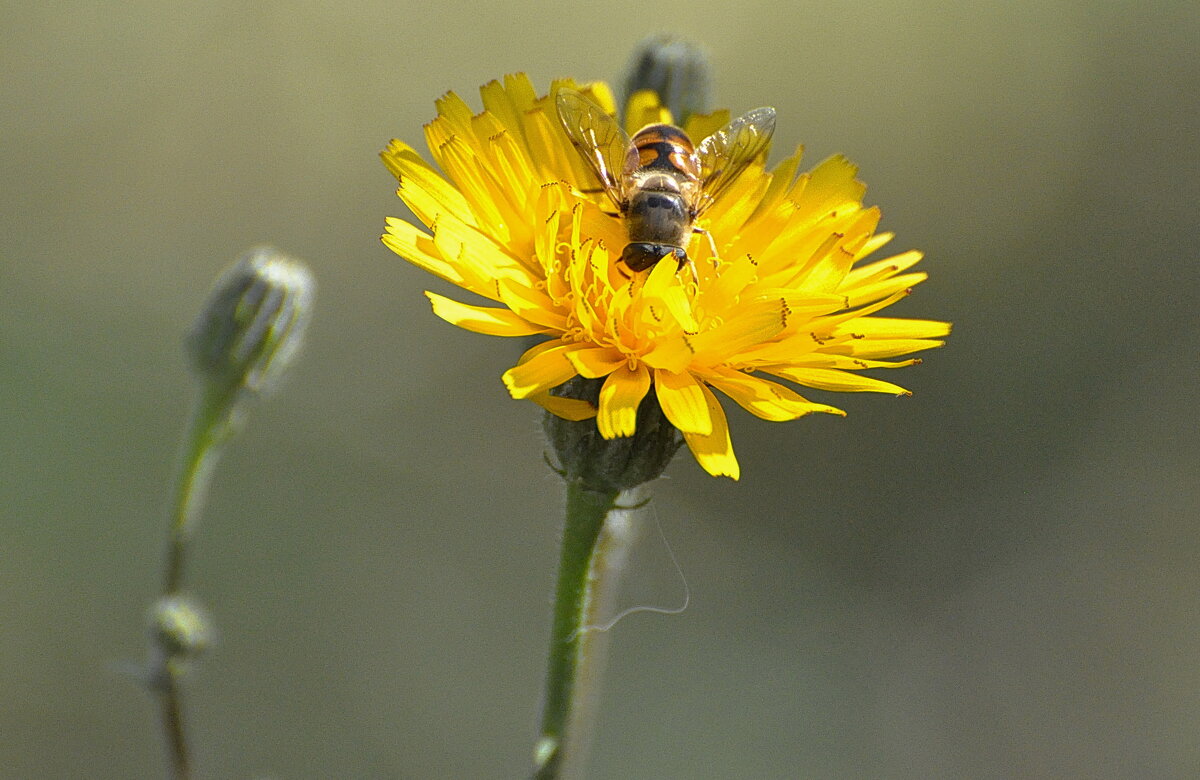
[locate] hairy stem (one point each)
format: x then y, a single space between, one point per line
594 546
205 432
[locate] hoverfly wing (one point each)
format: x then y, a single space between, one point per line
727 152
598 138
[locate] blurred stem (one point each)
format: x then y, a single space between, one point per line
594 545
208 426
209 418
172 717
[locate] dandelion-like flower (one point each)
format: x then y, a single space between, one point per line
789 299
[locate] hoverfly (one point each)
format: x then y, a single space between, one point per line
658 180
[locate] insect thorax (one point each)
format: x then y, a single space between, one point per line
658 216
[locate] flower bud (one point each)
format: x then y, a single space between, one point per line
605 465
676 68
253 322
179 628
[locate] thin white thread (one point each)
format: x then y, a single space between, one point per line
687 593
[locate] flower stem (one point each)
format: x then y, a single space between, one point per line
199 458
595 542
205 432
172 720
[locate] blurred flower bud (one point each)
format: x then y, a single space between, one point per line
676 68
253 322
179 628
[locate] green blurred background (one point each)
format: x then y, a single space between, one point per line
996 577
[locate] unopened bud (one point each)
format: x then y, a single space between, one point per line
179 628
676 68
603 464
253 322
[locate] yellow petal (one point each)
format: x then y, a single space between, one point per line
482 319
842 323
883 348
531 304
714 451
454 109
520 90
540 369
829 270
825 360
643 108
701 126
422 188
601 94
498 103
733 210
830 187
758 321
598 362
620 396
480 258
730 285
897 328
832 379
460 160
662 285
672 354
874 291
817 256
682 400
782 176
763 398
877 241
418 248
567 408
505 172
556 157
880 269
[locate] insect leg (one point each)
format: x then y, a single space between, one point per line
682 258
711 244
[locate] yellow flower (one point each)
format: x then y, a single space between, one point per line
516 219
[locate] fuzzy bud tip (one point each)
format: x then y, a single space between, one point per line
253 323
